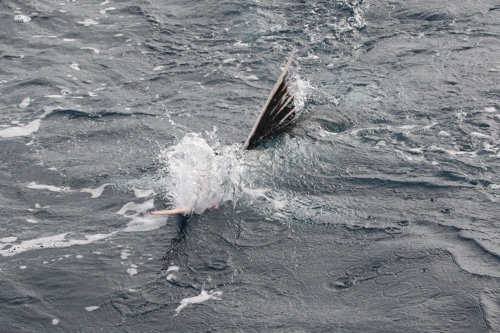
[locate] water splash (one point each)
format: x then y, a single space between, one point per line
301 90
199 173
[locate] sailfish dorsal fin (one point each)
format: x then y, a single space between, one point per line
277 113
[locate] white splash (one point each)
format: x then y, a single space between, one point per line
301 90
200 176
202 297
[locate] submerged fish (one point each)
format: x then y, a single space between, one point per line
278 113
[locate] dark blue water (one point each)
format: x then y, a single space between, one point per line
377 212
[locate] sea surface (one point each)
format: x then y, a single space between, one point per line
377 212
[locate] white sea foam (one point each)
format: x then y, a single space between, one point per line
241 44
25 103
169 271
91 308
172 268
97 192
103 11
22 18
140 220
132 270
202 297
8 239
139 193
93 49
88 22
252 78
125 254
22 130
56 241
54 96
34 185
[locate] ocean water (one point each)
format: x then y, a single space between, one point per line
376 212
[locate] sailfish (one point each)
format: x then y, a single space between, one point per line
276 115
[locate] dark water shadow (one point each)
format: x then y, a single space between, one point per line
177 244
